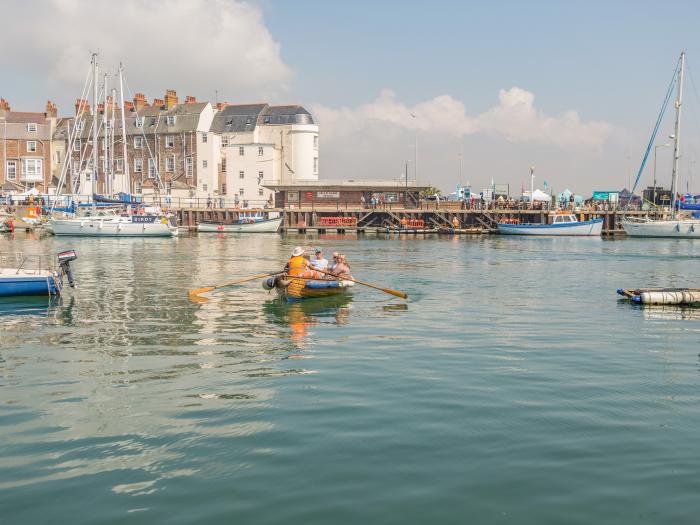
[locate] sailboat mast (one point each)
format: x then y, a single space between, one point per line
677 140
105 137
125 162
111 140
94 123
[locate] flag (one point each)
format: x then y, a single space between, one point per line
545 185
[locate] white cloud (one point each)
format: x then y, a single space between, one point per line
515 119
193 46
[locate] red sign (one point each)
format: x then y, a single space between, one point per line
310 195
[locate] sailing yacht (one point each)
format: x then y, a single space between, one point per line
109 222
678 226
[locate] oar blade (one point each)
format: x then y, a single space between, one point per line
394 292
201 290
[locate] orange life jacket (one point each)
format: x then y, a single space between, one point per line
296 265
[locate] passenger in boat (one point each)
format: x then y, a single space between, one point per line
319 262
334 261
342 270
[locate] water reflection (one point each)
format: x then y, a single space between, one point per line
302 316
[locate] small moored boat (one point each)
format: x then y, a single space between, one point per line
562 224
27 279
254 222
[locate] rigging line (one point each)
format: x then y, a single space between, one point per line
695 92
669 94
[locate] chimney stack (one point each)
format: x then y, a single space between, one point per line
85 107
128 106
170 98
51 109
4 107
190 100
100 108
158 102
140 101
221 105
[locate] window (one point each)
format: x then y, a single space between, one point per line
204 164
80 125
138 122
170 141
260 176
57 157
189 165
204 137
76 145
223 189
153 121
315 164
138 165
137 187
241 174
168 187
224 140
315 141
32 167
32 127
170 163
11 170
204 187
241 151
267 119
108 124
171 120
261 150
151 168
138 142
223 164
120 165
260 192
241 192
31 145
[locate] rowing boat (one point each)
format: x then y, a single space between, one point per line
293 288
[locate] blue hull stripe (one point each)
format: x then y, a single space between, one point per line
14 287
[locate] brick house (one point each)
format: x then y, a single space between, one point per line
169 147
26 148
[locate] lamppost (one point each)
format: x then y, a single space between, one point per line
532 186
405 195
653 199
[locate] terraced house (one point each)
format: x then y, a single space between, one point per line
26 148
169 148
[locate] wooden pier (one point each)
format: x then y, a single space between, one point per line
446 218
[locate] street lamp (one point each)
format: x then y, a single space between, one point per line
653 199
532 186
405 195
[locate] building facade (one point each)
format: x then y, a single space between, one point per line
262 143
26 148
168 146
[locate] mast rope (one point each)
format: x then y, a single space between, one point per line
667 99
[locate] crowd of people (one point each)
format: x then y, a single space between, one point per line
318 267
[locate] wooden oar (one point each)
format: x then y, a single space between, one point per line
231 283
385 290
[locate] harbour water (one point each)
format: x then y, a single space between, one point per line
512 387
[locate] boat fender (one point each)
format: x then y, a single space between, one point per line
82 223
678 227
164 220
692 228
269 283
100 227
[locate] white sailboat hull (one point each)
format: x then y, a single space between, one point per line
268 226
121 227
679 229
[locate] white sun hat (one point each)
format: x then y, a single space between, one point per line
298 251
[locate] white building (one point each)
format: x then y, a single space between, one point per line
262 143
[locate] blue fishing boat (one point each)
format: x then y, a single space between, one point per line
27 279
561 224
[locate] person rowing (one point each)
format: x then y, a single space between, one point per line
319 262
299 266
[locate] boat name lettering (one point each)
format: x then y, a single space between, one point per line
143 218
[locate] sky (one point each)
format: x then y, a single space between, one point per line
570 88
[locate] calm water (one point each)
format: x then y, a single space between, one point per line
513 387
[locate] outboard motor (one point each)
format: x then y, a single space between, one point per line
64 260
